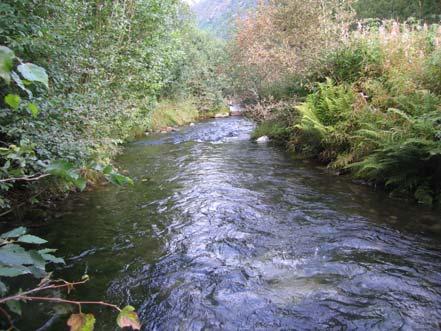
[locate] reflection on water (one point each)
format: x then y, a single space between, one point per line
222 233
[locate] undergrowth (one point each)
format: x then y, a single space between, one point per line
375 110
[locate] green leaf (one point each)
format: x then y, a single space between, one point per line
120 180
37 260
60 168
3 288
14 271
16 78
37 272
107 170
30 239
14 255
81 322
52 258
14 306
13 101
17 232
33 108
6 62
47 250
80 183
127 317
34 73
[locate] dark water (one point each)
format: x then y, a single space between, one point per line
220 233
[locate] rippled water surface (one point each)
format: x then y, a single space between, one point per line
220 233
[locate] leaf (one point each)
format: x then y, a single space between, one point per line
16 78
52 258
37 260
34 73
47 250
107 170
81 322
17 232
80 183
14 255
14 271
120 180
14 306
60 168
6 62
33 108
13 101
3 288
30 239
127 317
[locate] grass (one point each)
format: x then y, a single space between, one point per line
170 113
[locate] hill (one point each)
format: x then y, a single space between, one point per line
218 16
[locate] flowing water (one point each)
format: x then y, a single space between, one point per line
220 233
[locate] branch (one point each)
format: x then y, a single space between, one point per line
53 285
24 296
72 302
25 178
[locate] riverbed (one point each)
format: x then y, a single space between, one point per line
221 233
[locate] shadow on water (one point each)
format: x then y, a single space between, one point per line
222 233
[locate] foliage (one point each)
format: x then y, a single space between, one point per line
106 65
284 39
172 113
16 260
429 10
374 102
199 74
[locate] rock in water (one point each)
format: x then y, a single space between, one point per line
263 140
221 115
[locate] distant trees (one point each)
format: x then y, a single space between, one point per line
429 10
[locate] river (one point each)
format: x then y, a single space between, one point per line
221 233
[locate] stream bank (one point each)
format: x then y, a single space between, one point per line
219 232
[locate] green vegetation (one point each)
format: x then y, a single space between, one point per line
428 10
77 79
16 260
173 113
372 105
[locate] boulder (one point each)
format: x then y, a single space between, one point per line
263 140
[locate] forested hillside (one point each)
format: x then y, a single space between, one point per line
219 16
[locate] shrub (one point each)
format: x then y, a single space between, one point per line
359 60
432 72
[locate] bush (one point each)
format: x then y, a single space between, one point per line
432 72
349 64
